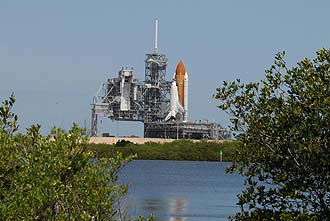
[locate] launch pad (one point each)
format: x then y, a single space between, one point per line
161 105
186 130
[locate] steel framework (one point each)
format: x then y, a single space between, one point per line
156 90
118 99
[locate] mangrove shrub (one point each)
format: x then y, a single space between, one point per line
54 177
283 127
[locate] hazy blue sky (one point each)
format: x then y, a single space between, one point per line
55 54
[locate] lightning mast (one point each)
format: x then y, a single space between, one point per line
156 36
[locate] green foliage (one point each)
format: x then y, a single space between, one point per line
8 120
122 143
283 125
55 177
176 150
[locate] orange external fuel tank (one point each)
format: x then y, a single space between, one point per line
179 76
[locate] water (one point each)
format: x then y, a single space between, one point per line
181 190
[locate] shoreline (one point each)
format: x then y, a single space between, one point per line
182 150
141 140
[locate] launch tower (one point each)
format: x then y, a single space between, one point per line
156 88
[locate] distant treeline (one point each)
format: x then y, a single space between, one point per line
176 150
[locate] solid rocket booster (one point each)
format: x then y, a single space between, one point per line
185 100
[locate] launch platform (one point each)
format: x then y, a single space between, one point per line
186 130
161 105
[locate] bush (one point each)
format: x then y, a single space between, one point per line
55 177
176 150
284 135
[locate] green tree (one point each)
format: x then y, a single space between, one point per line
283 127
55 177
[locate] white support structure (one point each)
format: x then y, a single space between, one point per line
125 89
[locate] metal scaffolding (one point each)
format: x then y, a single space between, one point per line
156 90
119 99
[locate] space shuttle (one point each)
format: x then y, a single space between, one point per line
179 94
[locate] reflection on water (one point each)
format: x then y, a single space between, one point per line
181 191
154 205
175 207
177 219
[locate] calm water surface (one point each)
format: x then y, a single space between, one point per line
181 190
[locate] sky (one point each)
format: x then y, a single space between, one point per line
54 55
